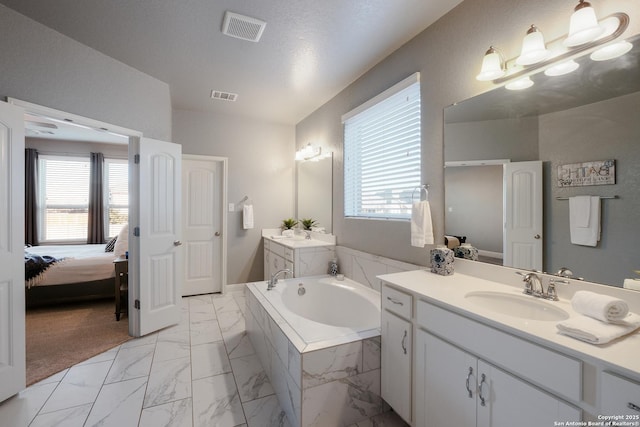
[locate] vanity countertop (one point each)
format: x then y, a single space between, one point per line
299 240
449 292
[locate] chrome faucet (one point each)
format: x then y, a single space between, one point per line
552 294
274 278
530 280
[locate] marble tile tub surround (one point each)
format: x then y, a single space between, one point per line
334 386
363 267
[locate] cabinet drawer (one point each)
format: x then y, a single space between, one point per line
396 301
276 249
544 367
288 254
619 396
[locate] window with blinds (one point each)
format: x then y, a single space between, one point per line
382 153
116 195
63 198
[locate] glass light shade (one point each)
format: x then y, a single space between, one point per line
611 51
519 84
562 68
583 26
492 66
533 48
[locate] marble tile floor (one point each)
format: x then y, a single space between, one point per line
201 372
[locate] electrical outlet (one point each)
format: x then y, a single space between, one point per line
232 207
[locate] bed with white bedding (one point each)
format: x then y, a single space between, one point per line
83 271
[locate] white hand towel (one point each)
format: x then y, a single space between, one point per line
595 332
247 216
421 226
584 210
601 307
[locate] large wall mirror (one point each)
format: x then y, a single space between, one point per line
589 115
314 191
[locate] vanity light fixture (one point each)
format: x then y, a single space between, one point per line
586 35
308 152
492 65
533 48
583 26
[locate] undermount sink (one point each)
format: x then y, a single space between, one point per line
522 306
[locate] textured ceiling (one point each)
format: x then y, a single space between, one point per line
310 50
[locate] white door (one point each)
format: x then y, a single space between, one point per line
203 205
155 258
523 215
12 335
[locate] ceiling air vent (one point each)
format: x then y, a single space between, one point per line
242 27
224 96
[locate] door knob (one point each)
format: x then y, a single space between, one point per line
217 234
537 236
177 243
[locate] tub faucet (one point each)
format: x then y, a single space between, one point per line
274 278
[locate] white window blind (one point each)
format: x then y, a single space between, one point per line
382 153
116 195
63 198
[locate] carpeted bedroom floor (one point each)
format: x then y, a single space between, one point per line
63 335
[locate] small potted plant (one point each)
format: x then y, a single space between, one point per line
308 223
287 226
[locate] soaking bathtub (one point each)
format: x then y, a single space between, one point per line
318 340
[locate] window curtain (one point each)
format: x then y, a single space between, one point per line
96 200
30 196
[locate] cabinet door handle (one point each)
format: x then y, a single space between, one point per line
395 301
483 381
633 406
404 346
468 380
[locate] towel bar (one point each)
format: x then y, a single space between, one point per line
424 187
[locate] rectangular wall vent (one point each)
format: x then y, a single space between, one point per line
242 27
224 96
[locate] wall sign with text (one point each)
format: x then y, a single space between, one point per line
600 172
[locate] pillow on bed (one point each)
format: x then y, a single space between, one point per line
122 242
111 245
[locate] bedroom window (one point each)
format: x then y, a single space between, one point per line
382 153
116 195
63 198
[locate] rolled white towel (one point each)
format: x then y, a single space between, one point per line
595 332
601 307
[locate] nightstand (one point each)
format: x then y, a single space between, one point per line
122 279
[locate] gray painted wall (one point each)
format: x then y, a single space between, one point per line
42 66
600 131
448 55
261 166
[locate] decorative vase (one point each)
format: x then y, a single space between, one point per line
466 251
442 261
333 267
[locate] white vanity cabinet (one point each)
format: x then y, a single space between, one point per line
303 261
618 396
397 350
453 387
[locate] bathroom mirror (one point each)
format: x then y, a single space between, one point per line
314 188
588 115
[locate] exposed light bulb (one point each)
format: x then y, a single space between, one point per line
562 68
519 84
